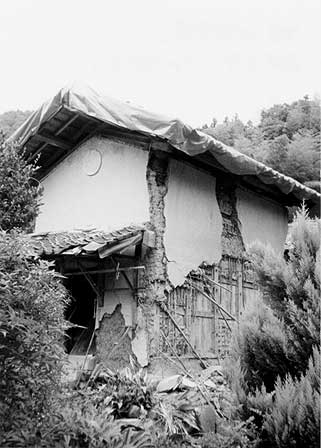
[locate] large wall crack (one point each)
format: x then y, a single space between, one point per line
231 238
155 258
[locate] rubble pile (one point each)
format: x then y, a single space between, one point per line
207 394
182 405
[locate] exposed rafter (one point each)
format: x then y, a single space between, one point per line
55 141
60 130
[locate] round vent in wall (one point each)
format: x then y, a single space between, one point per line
92 162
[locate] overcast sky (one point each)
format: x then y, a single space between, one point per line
194 59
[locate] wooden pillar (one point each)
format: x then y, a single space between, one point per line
217 296
239 295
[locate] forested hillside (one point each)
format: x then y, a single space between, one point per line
11 120
287 138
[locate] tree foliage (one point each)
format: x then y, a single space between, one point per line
19 191
31 337
12 119
287 138
294 417
275 355
32 303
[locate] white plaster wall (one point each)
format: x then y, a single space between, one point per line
114 197
193 221
261 220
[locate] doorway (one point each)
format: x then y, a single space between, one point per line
81 313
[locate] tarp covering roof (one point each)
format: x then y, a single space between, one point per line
86 102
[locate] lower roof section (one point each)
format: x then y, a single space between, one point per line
90 243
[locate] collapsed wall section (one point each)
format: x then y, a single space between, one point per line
130 318
113 343
195 219
121 335
202 230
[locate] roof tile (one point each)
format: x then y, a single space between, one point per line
77 241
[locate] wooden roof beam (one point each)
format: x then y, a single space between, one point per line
55 141
60 130
65 126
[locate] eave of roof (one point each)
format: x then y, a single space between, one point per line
93 243
77 112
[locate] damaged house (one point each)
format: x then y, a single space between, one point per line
149 220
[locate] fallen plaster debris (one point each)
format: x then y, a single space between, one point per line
211 371
187 383
210 384
205 406
170 383
202 394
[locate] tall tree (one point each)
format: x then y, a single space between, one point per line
11 120
228 131
32 305
19 190
275 355
287 138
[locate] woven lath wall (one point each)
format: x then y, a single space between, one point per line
199 319
206 327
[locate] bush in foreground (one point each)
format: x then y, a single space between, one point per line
275 365
19 190
32 329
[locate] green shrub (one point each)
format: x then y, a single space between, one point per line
260 346
31 338
233 435
19 191
292 288
275 364
83 425
294 418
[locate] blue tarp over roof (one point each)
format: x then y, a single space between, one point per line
84 100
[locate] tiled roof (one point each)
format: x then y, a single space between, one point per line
81 242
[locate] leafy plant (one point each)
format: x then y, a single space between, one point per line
260 347
275 365
236 435
127 393
12 119
292 288
19 191
31 337
294 418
